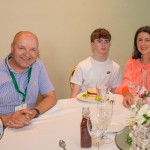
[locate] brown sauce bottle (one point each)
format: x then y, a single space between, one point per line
86 140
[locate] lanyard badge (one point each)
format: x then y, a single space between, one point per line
20 107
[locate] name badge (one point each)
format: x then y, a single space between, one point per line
20 107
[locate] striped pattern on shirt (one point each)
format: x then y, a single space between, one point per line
9 97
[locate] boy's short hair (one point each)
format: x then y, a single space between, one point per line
100 33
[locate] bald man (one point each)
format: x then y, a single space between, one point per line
22 78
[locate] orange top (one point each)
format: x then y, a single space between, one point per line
133 74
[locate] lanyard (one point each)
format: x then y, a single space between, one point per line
15 82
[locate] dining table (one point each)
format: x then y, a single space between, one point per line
62 122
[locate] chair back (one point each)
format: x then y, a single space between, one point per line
71 74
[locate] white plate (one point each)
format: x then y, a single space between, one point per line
91 98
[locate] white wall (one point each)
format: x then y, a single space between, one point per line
64 28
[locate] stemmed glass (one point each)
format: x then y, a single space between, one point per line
102 91
105 114
133 88
95 128
144 86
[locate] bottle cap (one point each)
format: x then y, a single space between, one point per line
85 109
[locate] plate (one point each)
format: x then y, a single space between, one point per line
120 139
90 98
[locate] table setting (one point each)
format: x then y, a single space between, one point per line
62 123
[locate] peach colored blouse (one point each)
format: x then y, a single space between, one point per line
133 74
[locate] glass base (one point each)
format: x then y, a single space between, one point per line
107 140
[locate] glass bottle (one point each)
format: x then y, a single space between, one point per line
86 140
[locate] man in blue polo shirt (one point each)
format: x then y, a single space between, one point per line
22 78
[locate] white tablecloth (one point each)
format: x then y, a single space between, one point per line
61 122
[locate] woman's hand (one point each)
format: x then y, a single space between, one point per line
128 99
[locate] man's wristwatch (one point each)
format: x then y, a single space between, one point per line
37 112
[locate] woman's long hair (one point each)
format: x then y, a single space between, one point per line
136 54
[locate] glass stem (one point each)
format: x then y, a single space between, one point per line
105 135
97 143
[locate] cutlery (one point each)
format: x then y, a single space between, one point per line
62 144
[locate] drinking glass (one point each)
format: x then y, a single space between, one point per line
133 88
141 138
95 128
102 91
105 114
144 86
146 138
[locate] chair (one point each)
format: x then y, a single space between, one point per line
71 74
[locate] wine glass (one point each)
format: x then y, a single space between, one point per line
95 128
103 92
144 86
105 114
133 88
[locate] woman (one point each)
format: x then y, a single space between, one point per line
138 66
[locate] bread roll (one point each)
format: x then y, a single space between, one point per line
91 91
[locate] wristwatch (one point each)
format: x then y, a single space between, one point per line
37 112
